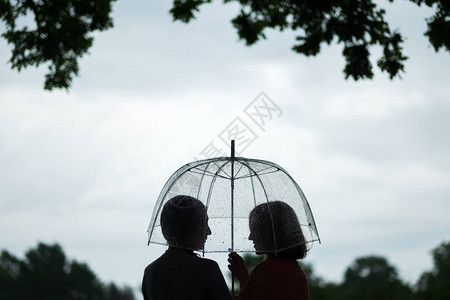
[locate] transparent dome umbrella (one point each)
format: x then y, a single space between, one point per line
230 187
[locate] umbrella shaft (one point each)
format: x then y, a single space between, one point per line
232 205
232 195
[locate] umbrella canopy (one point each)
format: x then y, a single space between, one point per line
229 189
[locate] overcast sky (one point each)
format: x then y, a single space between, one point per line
84 168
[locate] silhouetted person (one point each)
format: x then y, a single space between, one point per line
276 233
179 274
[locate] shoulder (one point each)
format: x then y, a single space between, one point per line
160 262
207 263
265 265
152 266
262 270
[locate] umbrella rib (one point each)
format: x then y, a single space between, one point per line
253 187
267 199
211 218
255 174
207 204
308 211
221 167
201 180
242 165
206 173
218 167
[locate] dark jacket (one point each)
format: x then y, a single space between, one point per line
181 275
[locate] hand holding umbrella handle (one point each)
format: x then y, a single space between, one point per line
238 268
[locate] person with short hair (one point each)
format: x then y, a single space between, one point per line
276 234
180 273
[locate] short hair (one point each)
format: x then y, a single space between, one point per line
276 230
183 222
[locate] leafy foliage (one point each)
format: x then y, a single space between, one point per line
319 289
60 34
61 31
438 25
368 278
115 293
46 274
9 276
373 277
435 284
358 25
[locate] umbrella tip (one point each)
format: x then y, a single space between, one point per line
232 149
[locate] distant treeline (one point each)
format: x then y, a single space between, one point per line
46 274
374 278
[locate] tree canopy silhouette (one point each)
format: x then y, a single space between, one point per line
435 284
372 277
61 31
60 34
358 25
46 274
